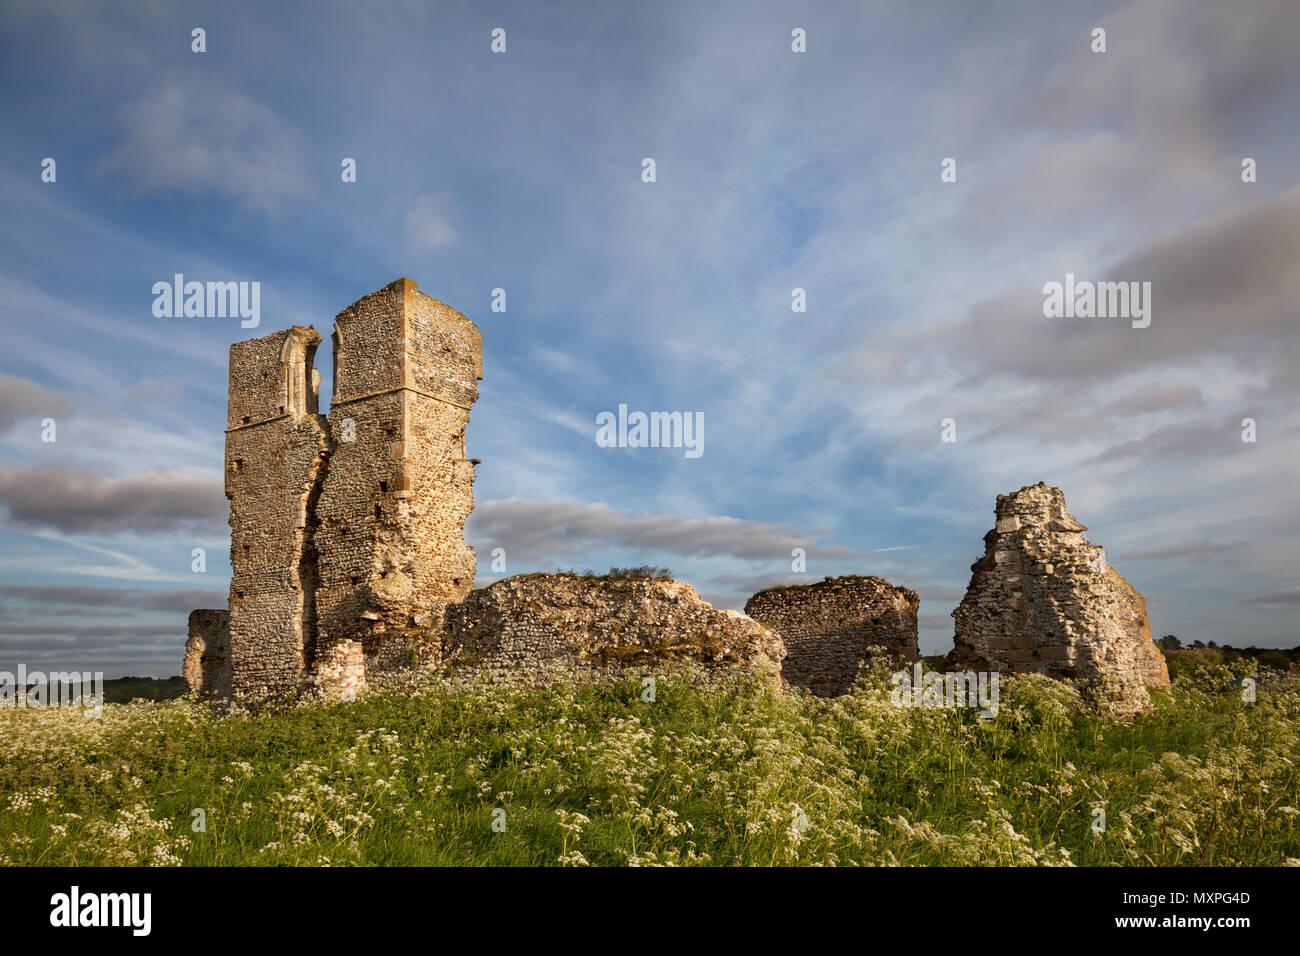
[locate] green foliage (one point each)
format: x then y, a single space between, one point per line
123 690
1250 660
644 571
718 772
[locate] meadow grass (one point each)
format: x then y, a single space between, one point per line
710 772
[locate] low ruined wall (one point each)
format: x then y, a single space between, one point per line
207 667
828 626
1043 599
531 623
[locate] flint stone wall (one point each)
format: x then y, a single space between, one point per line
207 668
276 452
1043 599
828 626
347 530
545 623
393 508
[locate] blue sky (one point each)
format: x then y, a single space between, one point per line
775 170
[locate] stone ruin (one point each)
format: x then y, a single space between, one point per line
207 653
1044 600
348 559
346 529
829 626
569 623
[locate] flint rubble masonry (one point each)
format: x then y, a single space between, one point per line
346 530
828 627
538 626
1043 599
207 653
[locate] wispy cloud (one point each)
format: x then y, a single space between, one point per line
1285 598
529 530
428 223
208 138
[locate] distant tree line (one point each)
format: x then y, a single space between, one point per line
1281 658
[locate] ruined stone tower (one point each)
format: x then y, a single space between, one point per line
346 532
399 487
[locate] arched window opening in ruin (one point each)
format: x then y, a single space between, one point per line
300 382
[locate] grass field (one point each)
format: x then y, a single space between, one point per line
705 773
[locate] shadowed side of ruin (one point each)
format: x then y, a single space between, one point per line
828 628
207 668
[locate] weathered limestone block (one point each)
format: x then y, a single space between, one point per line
530 622
827 628
1044 599
207 653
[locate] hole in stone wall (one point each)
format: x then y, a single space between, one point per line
383 486
379 512
246 419
390 430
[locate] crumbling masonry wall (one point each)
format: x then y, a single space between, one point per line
827 628
207 653
276 453
393 507
1044 599
346 532
535 627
